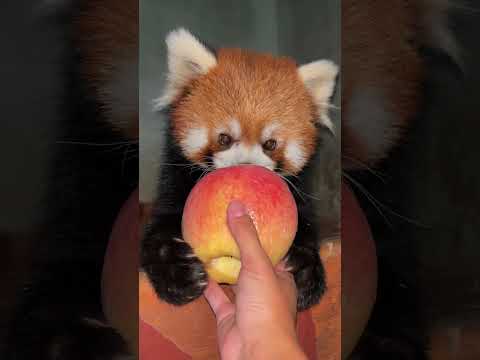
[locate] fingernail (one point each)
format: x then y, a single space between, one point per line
236 209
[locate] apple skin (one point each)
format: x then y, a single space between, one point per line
269 203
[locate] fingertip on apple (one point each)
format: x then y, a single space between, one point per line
232 192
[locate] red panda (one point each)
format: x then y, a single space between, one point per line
228 107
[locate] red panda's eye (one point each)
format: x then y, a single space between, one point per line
270 145
224 140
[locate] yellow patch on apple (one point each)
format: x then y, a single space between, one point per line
269 202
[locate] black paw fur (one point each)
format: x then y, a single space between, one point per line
176 274
307 269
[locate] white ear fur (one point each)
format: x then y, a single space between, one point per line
437 32
319 77
187 59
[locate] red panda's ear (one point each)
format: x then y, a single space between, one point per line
319 78
187 59
436 32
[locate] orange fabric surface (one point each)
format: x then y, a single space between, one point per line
154 346
191 328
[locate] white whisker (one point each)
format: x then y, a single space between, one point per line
376 173
369 196
379 205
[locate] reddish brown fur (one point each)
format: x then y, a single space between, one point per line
107 36
376 52
255 89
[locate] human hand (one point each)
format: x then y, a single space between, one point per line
262 322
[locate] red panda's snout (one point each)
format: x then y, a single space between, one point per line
236 106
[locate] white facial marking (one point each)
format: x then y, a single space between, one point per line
242 154
295 155
268 131
369 120
235 129
195 140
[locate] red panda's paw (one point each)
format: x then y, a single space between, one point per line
309 275
176 274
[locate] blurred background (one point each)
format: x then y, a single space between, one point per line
64 177
427 228
25 155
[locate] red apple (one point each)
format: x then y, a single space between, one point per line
269 203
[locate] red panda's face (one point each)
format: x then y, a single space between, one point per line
248 109
241 107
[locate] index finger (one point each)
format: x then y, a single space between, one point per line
221 305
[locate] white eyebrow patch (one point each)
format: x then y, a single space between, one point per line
235 128
268 131
295 155
220 129
195 140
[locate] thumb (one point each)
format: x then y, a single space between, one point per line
253 257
